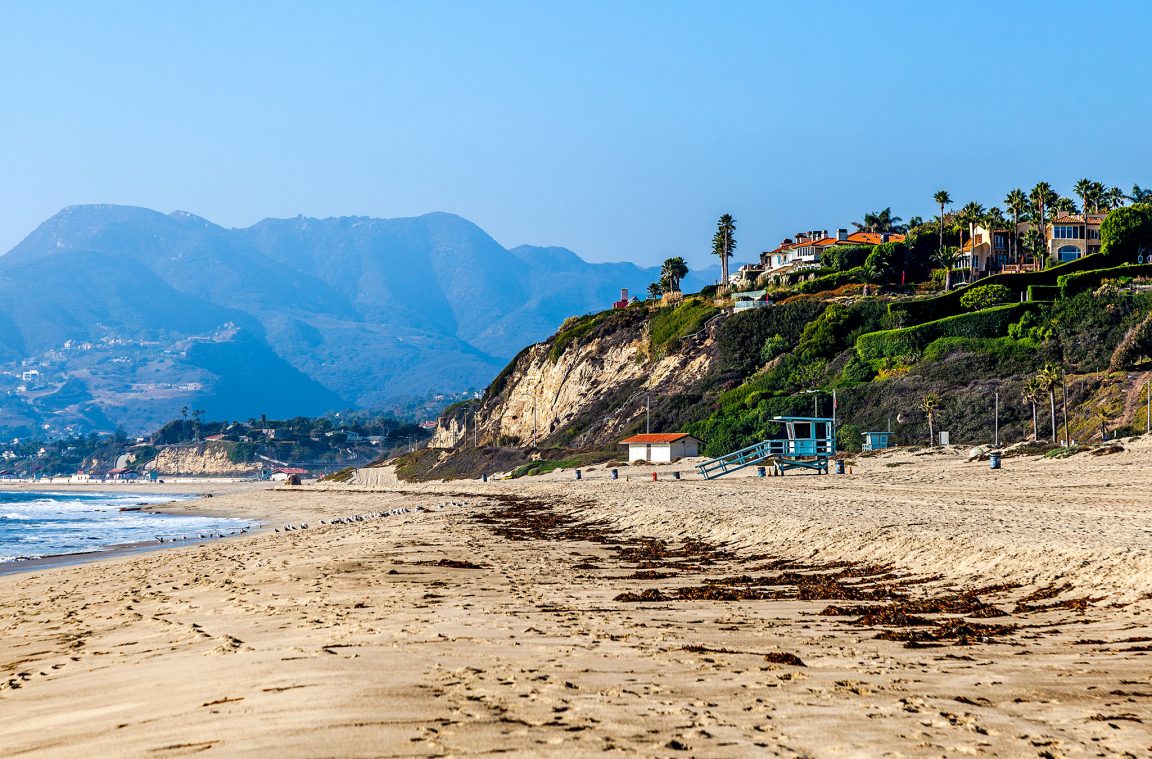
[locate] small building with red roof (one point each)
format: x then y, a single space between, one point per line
661 447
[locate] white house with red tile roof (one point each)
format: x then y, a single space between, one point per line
661 447
805 251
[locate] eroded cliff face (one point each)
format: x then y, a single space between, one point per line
586 393
203 459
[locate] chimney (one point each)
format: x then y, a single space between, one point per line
841 235
883 237
623 293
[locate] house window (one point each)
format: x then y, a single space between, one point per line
1067 232
1093 234
1068 253
1000 241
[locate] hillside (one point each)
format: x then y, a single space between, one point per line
290 316
724 376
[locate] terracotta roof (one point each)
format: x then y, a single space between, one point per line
656 437
874 238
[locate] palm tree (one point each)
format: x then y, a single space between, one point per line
928 404
1032 393
1114 198
1063 205
1036 245
674 270
970 214
1048 380
1086 189
942 199
1042 196
1016 202
655 290
992 221
880 221
723 243
1140 195
946 259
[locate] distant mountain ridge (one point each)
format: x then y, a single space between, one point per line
305 315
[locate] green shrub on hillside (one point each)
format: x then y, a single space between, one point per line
773 347
1089 326
843 258
669 324
743 335
1070 284
830 281
991 322
572 330
985 296
1126 231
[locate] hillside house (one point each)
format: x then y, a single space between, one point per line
123 474
805 251
661 447
747 300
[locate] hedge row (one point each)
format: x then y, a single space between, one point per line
1043 292
906 341
948 304
1070 284
830 281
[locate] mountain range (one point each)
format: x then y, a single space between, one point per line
118 315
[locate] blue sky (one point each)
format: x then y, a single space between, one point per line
618 129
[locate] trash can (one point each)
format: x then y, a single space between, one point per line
840 466
614 473
761 471
653 476
675 475
579 474
994 460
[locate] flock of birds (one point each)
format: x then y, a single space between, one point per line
371 515
203 536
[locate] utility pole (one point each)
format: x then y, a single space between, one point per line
1064 405
1148 411
996 414
648 413
533 422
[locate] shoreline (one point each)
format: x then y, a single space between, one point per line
182 503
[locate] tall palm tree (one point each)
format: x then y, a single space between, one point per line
928 404
970 214
942 199
992 221
1042 196
723 243
1016 202
1063 205
1049 379
946 259
674 270
1032 393
1085 188
1114 198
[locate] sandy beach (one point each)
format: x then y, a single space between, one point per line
922 606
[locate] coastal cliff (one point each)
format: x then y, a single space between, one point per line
588 384
209 458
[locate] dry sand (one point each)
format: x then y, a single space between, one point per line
493 624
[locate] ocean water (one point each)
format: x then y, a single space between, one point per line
36 524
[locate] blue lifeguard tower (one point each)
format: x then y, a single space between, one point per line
875 441
811 444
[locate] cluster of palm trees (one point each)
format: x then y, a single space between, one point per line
671 272
1045 382
1035 206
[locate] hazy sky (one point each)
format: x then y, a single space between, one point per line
618 129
